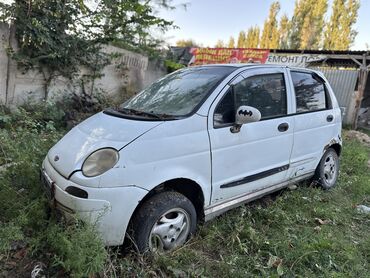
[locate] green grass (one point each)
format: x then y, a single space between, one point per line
279 235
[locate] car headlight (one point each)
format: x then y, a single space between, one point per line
99 162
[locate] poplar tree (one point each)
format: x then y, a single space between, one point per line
284 27
249 39
253 37
231 43
256 37
339 33
241 39
270 35
301 9
313 24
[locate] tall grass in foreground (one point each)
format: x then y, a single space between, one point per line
307 232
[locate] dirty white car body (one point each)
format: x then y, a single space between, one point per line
215 165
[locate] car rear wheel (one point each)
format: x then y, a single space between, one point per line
327 171
164 222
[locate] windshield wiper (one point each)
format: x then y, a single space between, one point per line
139 112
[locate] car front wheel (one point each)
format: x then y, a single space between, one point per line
327 171
164 222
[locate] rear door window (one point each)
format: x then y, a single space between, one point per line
310 92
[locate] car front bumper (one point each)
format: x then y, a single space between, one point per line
108 209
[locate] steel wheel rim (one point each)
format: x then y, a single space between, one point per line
170 230
330 169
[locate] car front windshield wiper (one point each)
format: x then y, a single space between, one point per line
145 113
138 112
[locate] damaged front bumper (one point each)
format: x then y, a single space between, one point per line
109 210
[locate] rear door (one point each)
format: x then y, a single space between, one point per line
314 120
258 155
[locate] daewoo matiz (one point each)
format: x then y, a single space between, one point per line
194 144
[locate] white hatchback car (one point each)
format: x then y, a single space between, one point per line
194 144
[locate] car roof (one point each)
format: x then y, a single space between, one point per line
248 65
241 65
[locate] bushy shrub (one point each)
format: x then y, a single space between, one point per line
76 248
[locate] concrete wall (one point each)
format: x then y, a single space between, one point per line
127 74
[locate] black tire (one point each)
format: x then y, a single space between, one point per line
326 175
167 205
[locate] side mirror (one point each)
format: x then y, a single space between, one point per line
245 114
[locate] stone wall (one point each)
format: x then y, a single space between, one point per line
127 74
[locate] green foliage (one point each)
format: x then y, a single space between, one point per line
339 33
77 249
26 135
307 28
284 28
50 37
313 25
253 37
172 66
231 43
59 37
241 39
270 35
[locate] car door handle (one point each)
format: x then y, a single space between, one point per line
330 118
283 127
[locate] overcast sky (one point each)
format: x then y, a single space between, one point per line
206 21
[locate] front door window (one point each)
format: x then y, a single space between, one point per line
265 92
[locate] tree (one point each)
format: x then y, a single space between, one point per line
270 35
284 27
220 44
241 39
249 37
313 24
253 37
301 9
339 34
60 36
231 43
186 43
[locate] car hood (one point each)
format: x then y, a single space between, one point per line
98 131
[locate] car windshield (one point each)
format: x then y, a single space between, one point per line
177 94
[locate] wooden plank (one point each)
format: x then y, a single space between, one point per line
363 74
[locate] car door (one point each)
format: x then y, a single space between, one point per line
314 118
258 155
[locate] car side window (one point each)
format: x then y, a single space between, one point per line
265 92
310 92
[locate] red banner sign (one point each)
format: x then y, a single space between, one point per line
228 55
